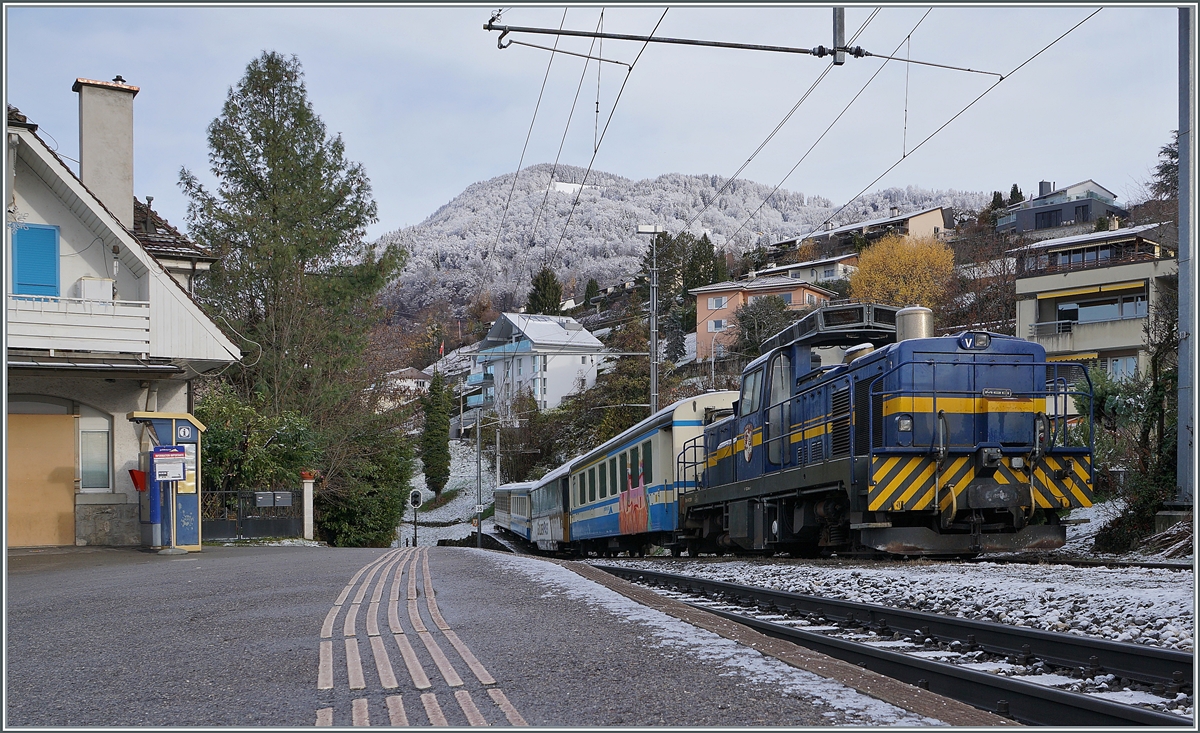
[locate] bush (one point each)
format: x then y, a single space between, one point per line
360 517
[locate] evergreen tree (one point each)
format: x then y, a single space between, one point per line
997 201
297 283
1015 196
435 437
546 295
593 290
675 334
1165 184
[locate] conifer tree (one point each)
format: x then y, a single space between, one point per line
435 437
1015 196
546 295
593 290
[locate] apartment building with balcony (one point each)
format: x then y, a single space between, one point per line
716 304
97 327
816 271
1086 298
1078 204
936 222
549 357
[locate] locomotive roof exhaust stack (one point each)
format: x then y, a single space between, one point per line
914 322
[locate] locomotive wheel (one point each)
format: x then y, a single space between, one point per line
676 551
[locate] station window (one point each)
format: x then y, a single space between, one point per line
647 463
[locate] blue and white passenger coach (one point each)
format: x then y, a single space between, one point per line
623 495
513 508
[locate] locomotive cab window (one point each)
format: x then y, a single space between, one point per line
750 393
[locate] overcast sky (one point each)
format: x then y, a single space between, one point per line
425 100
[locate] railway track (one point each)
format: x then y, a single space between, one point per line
1082 563
1165 671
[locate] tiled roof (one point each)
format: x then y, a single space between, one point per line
165 240
16 118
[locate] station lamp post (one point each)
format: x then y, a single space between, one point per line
653 230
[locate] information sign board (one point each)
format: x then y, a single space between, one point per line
169 463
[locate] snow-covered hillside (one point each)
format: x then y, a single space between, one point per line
462 249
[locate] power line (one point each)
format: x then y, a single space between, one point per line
529 134
592 162
546 197
826 132
774 132
952 119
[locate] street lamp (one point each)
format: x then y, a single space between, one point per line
653 230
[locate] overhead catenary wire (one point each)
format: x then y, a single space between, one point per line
612 112
952 119
528 135
554 169
775 131
845 109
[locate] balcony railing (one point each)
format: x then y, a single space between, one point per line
479 379
74 324
478 400
1054 328
1057 200
1032 264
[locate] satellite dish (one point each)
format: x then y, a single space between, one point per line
415 498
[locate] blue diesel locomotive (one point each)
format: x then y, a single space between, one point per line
951 445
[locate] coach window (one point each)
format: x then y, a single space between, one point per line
612 476
603 481
648 467
582 489
592 484
624 474
635 468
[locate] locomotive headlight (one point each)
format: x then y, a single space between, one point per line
904 423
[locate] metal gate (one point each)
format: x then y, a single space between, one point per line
237 515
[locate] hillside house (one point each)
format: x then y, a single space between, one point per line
549 357
98 327
816 271
716 304
833 241
1086 298
1077 204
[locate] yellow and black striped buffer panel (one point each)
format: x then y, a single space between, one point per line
1063 482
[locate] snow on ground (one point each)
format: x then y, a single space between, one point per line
457 514
848 706
1141 606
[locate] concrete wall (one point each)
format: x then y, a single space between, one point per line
108 518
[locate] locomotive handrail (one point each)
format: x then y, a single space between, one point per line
1066 391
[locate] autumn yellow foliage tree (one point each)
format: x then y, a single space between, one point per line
904 271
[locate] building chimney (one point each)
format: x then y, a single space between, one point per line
895 211
106 143
1044 187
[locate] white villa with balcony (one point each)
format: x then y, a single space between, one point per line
1085 298
549 357
97 328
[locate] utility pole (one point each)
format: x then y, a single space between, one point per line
839 36
653 230
1186 447
479 476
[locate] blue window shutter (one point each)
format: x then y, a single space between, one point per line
35 260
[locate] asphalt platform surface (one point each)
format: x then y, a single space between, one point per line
232 636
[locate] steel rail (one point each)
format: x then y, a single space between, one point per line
1151 665
1025 702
